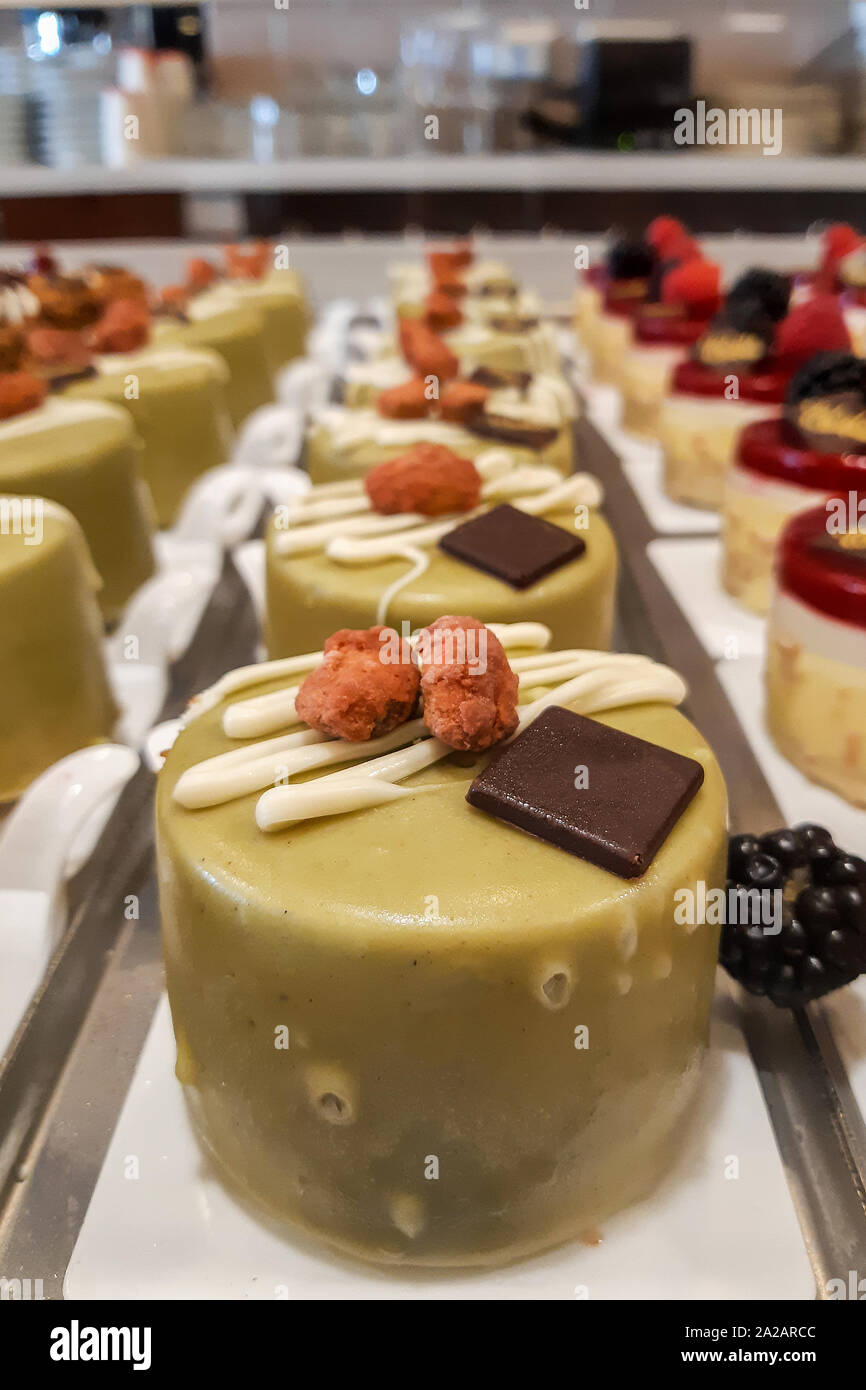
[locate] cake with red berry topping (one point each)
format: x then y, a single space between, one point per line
432 1004
815 449
738 372
664 331
816 646
611 296
431 530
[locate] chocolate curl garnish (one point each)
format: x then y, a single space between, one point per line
366 685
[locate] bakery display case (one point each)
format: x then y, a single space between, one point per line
433 722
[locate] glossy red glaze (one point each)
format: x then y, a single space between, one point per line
832 583
775 449
767 384
668 330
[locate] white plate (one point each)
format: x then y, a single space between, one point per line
801 800
690 569
175 1232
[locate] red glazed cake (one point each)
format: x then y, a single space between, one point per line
816 646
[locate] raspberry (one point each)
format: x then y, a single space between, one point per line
838 241
817 325
20 392
772 291
692 282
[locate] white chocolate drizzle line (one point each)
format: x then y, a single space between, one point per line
340 520
585 681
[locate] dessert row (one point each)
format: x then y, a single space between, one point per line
424 872
756 396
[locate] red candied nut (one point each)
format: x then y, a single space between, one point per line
408 401
360 691
20 392
461 400
429 478
442 311
469 689
58 347
445 259
200 273
124 327
425 351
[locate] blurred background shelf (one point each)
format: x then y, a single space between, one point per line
566 170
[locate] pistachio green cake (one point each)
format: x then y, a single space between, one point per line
309 596
54 694
176 397
236 333
416 1032
84 454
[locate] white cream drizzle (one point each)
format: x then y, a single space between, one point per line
586 681
161 359
340 520
60 410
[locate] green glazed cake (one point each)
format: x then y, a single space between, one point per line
84 454
176 397
403 1025
236 333
54 695
326 567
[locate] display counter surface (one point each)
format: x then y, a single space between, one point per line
537 171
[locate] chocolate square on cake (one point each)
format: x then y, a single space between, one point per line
513 546
601 794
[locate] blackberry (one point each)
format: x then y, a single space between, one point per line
822 941
630 260
769 289
828 374
746 316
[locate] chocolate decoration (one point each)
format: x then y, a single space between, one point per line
513 546
504 290
821 421
57 381
498 380
521 433
634 795
514 324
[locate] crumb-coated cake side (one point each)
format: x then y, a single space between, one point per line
404 1024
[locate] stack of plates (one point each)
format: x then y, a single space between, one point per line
13 107
67 108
